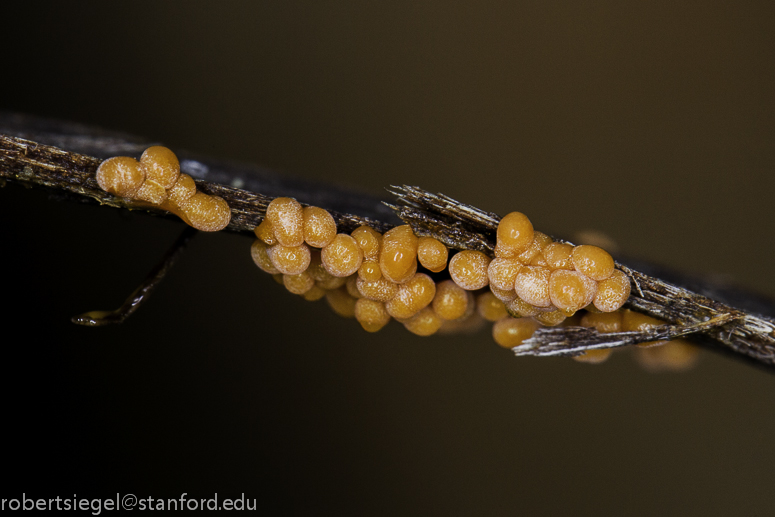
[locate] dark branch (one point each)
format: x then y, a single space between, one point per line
707 312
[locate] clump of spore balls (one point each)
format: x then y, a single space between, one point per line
156 180
533 281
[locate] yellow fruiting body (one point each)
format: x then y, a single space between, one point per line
558 255
265 232
511 332
532 285
258 251
121 176
593 356
351 286
382 289
432 254
504 295
150 192
319 227
286 216
592 261
161 166
342 257
468 268
398 256
290 260
502 272
412 296
451 301
371 314
551 318
571 290
425 323
369 271
675 355
635 321
515 234
341 302
605 322
519 308
539 242
183 190
369 240
612 292
299 284
207 213
314 294
490 307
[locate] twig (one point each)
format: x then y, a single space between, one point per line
143 292
717 316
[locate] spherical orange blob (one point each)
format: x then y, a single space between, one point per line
503 295
558 255
319 227
592 261
323 278
424 323
635 321
265 232
596 356
341 302
150 192
468 268
539 242
432 254
412 296
161 165
490 307
258 251
314 294
551 318
519 308
286 216
369 240
605 322
290 260
352 288
342 257
502 273
451 301
532 285
675 355
612 292
570 290
183 190
632 321
511 332
371 314
382 290
369 271
398 256
207 213
121 176
515 233
298 284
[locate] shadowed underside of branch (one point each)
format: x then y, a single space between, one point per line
63 157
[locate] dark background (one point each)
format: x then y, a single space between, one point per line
652 122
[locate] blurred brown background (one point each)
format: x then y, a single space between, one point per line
652 122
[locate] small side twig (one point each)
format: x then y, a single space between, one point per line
143 292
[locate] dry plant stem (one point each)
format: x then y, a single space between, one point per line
143 292
689 313
709 319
